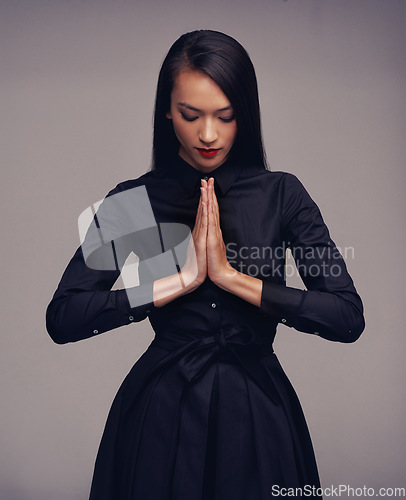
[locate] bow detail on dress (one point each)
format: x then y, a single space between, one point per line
195 354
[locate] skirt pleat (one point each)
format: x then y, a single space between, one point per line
216 437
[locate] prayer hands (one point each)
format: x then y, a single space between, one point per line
207 256
207 252
218 267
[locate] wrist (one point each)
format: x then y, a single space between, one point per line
191 278
169 288
226 278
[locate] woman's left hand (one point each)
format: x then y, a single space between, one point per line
219 269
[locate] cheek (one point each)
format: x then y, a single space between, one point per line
177 128
182 131
232 135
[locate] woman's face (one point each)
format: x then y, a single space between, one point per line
203 120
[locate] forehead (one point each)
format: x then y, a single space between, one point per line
198 90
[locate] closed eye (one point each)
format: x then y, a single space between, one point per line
227 120
189 118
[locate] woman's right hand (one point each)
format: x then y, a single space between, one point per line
194 271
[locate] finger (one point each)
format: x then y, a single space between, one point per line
201 220
213 228
214 205
199 214
212 220
204 204
196 227
210 193
209 200
204 223
205 190
210 196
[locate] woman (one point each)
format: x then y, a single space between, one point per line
207 411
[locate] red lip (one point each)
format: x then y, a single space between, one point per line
208 153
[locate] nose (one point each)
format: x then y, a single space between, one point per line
208 131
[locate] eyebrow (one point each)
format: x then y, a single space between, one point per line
188 106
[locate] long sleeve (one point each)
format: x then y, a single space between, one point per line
84 304
331 306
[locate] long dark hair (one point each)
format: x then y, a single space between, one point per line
225 61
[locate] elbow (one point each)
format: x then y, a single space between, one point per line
355 324
351 321
54 326
58 339
57 334
351 336
356 329
349 332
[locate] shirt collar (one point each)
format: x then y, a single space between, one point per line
189 177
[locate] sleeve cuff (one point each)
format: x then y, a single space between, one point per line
128 298
281 301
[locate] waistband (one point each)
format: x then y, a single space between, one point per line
195 351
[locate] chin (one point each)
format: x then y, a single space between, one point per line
209 164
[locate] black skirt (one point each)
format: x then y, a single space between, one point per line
205 418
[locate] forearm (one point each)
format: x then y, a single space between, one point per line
76 315
333 316
171 287
70 318
240 284
84 304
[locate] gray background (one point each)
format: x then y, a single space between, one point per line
77 88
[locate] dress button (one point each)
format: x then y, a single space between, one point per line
147 311
95 331
206 178
214 305
283 320
131 318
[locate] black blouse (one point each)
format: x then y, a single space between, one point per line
262 213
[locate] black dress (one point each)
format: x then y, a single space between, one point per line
207 411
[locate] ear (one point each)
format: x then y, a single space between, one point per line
169 115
